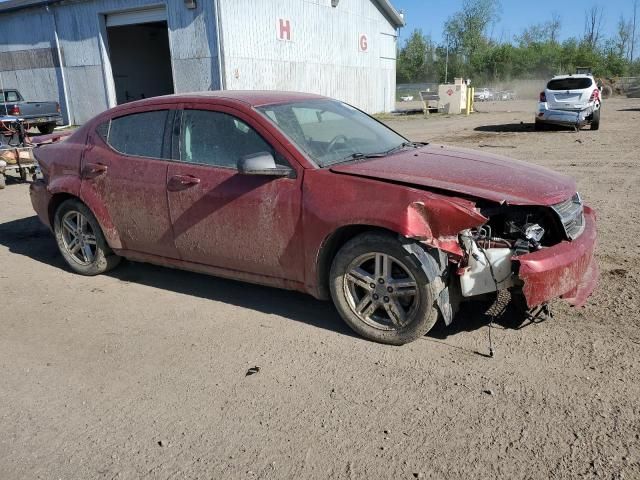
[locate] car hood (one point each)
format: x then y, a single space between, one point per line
468 172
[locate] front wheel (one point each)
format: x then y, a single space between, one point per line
81 241
381 291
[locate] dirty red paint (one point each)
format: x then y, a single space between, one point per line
273 231
568 269
51 137
468 172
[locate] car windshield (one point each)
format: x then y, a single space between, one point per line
332 132
569 84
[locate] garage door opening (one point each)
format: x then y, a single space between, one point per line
140 59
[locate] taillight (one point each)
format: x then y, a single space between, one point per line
14 110
58 107
595 95
543 97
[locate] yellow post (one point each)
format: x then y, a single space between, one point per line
473 92
468 102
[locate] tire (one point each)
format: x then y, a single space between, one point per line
99 258
46 128
538 126
352 289
595 122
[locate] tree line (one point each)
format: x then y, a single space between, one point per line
468 49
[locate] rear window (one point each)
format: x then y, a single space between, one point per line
569 84
139 134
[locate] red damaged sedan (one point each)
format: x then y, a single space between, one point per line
308 193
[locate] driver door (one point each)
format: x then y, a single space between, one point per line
239 222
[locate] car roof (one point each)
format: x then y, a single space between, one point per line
575 75
254 98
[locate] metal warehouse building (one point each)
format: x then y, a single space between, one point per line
95 54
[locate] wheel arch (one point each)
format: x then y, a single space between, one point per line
330 247
432 264
56 201
108 230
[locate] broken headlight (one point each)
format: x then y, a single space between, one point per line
534 233
522 229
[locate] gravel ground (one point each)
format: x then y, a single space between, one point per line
142 373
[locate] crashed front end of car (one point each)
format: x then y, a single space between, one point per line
544 252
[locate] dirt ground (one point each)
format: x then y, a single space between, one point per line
142 373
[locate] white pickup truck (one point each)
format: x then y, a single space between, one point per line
43 115
572 100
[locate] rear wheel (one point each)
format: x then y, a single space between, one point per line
595 123
81 241
538 126
46 128
381 291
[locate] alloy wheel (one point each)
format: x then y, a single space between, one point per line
78 237
381 291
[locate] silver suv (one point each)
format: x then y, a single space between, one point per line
572 100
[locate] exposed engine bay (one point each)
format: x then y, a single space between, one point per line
513 231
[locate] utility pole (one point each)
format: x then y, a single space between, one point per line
633 32
446 63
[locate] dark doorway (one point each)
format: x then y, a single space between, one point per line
140 60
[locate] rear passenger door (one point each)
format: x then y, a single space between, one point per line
125 170
246 223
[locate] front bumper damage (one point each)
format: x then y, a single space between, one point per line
568 269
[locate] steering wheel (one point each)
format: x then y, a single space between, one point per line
334 142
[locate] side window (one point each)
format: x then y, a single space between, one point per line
11 96
103 130
139 134
219 139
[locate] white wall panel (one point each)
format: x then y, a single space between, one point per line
323 55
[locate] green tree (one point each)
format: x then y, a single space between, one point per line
466 29
415 59
534 53
466 38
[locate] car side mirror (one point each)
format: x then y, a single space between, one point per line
262 163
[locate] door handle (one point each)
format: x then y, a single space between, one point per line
93 170
181 182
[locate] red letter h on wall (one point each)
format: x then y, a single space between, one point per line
285 29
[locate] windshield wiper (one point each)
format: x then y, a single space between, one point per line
355 156
360 155
404 145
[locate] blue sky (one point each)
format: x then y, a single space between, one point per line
430 15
